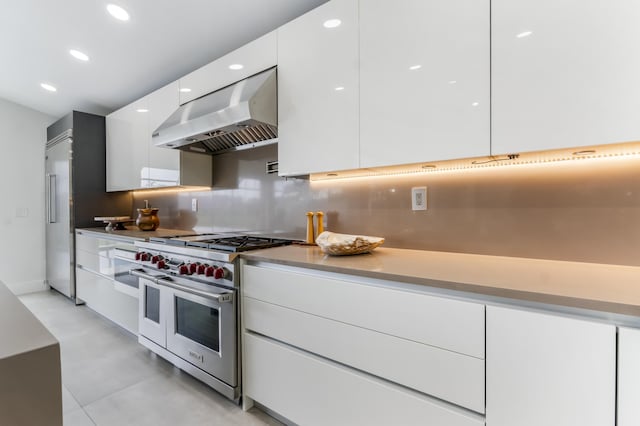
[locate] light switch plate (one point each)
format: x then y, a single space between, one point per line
419 198
194 204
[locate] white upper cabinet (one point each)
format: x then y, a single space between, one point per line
424 80
545 369
164 164
318 90
564 73
243 62
127 147
133 161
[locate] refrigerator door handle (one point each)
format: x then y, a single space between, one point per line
51 198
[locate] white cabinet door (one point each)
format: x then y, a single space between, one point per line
424 80
318 90
564 73
549 370
628 377
164 164
126 147
253 57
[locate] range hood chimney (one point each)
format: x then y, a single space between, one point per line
240 116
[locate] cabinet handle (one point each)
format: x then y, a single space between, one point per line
219 297
141 274
51 198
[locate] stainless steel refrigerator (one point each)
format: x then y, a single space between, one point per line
75 190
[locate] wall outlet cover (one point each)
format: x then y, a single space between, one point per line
419 198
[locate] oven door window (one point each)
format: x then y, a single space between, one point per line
152 304
198 323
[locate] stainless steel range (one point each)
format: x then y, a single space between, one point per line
188 293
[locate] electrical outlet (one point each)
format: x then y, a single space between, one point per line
419 198
194 204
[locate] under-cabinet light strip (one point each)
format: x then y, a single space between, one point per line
487 163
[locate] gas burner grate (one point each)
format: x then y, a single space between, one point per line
239 243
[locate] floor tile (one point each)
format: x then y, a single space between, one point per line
110 379
69 403
77 417
168 401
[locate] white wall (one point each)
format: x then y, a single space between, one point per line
22 245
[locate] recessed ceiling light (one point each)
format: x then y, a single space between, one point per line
339 88
48 87
236 66
79 55
415 67
142 110
524 34
185 89
118 12
452 81
332 23
475 104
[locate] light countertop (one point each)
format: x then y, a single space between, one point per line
20 331
600 287
31 385
133 232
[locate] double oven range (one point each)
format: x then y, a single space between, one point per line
188 302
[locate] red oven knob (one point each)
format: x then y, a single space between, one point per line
145 257
154 259
201 268
139 255
209 270
218 273
183 269
193 268
160 264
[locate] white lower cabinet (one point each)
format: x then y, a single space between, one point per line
545 369
325 349
95 283
628 376
99 294
310 390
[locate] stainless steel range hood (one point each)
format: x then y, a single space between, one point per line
240 116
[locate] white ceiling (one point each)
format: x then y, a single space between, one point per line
162 41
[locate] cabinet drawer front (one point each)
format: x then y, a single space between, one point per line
99 294
311 391
444 374
95 263
101 246
436 321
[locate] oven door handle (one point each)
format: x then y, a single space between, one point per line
226 296
141 274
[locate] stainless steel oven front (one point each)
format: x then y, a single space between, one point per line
193 325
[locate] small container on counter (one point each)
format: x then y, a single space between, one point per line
148 218
310 232
319 223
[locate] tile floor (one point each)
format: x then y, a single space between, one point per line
110 379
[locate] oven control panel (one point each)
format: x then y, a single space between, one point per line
207 271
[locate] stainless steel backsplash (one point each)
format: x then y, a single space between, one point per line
587 210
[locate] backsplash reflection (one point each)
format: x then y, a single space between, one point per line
573 211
